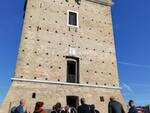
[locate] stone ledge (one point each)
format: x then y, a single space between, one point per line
64 83
103 2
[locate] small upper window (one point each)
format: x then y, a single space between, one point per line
33 95
72 18
102 99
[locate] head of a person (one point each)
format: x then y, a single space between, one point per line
92 107
22 102
58 105
66 108
112 98
131 103
82 100
39 105
54 107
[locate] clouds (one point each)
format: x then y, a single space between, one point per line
137 91
127 90
127 87
141 85
132 64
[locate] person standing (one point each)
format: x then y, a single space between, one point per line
65 109
93 110
39 108
54 109
115 106
83 108
132 107
68 109
58 107
21 107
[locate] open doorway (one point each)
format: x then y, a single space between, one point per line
72 101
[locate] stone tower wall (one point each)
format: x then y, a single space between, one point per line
45 42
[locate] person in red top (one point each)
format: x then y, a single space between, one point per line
39 108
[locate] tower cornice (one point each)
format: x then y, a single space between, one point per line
65 83
103 2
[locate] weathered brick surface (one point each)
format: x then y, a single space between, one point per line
46 47
51 94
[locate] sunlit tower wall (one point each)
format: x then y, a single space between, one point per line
66 52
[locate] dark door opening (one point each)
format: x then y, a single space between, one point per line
73 101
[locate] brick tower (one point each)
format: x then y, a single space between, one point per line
66 52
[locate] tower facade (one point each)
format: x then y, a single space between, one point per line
66 52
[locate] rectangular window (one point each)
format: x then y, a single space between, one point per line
72 19
71 74
71 67
72 70
101 99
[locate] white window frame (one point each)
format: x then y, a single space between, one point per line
68 18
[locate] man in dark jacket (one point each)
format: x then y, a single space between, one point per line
115 106
20 108
83 108
132 107
92 109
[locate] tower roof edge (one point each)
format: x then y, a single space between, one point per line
103 2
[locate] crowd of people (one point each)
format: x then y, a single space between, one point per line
113 107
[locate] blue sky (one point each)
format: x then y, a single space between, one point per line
132 39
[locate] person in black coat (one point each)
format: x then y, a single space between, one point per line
132 107
115 106
54 109
83 108
92 109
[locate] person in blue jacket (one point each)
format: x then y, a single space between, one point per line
20 108
132 107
